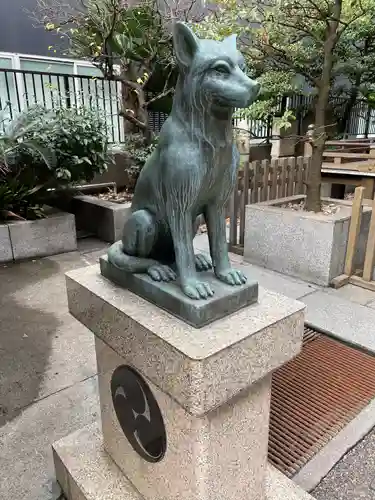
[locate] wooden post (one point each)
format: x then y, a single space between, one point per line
274 177
266 174
244 201
307 150
368 267
368 184
355 224
291 176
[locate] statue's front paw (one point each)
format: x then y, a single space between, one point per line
197 289
158 272
231 277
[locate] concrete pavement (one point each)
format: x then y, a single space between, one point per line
47 369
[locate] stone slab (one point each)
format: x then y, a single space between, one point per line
103 218
301 244
200 368
43 349
6 253
26 465
294 288
226 300
320 465
52 235
86 472
193 443
341 318
353 293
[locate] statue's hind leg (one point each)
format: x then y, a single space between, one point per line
203 261
139 234
139 237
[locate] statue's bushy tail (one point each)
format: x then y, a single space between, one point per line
128 263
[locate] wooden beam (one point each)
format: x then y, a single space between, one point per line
340 281
368 267
354 227
339 154
358 281
366 166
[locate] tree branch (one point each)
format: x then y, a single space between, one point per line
128 115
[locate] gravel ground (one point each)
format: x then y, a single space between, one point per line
353 478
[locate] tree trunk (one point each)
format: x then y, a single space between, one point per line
314 180
133 105
319 137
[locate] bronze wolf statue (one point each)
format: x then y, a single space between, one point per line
192 171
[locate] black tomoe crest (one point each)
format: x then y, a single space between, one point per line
138 414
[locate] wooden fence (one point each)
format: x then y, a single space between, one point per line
262 181
361 277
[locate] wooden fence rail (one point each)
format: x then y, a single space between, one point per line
262 181
360 277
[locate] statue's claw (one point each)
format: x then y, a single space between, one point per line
197 290
202 262
159 272
232 277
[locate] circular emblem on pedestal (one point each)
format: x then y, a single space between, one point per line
138 414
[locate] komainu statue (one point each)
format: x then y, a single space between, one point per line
192 172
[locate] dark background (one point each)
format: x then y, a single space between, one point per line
18 32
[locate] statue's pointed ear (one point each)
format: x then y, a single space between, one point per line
231 40
185 43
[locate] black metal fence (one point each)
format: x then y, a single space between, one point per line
21 89
361 121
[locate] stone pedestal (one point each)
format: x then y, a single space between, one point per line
185 411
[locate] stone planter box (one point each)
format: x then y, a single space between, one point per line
6 253
301 244
103 218
39 238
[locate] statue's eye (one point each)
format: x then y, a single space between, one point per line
222 69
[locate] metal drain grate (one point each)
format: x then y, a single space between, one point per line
314 396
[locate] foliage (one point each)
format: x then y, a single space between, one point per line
43 149
78 139
299 45
276 82
19 199
283 43
128 42
15 141
355 66
137 150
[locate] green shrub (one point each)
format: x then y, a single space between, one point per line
78 139
43 149
20 194
137 150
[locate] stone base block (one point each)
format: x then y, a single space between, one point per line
86 472
103 218
39 238
200 369
203 452
227 299
6 253
302 244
